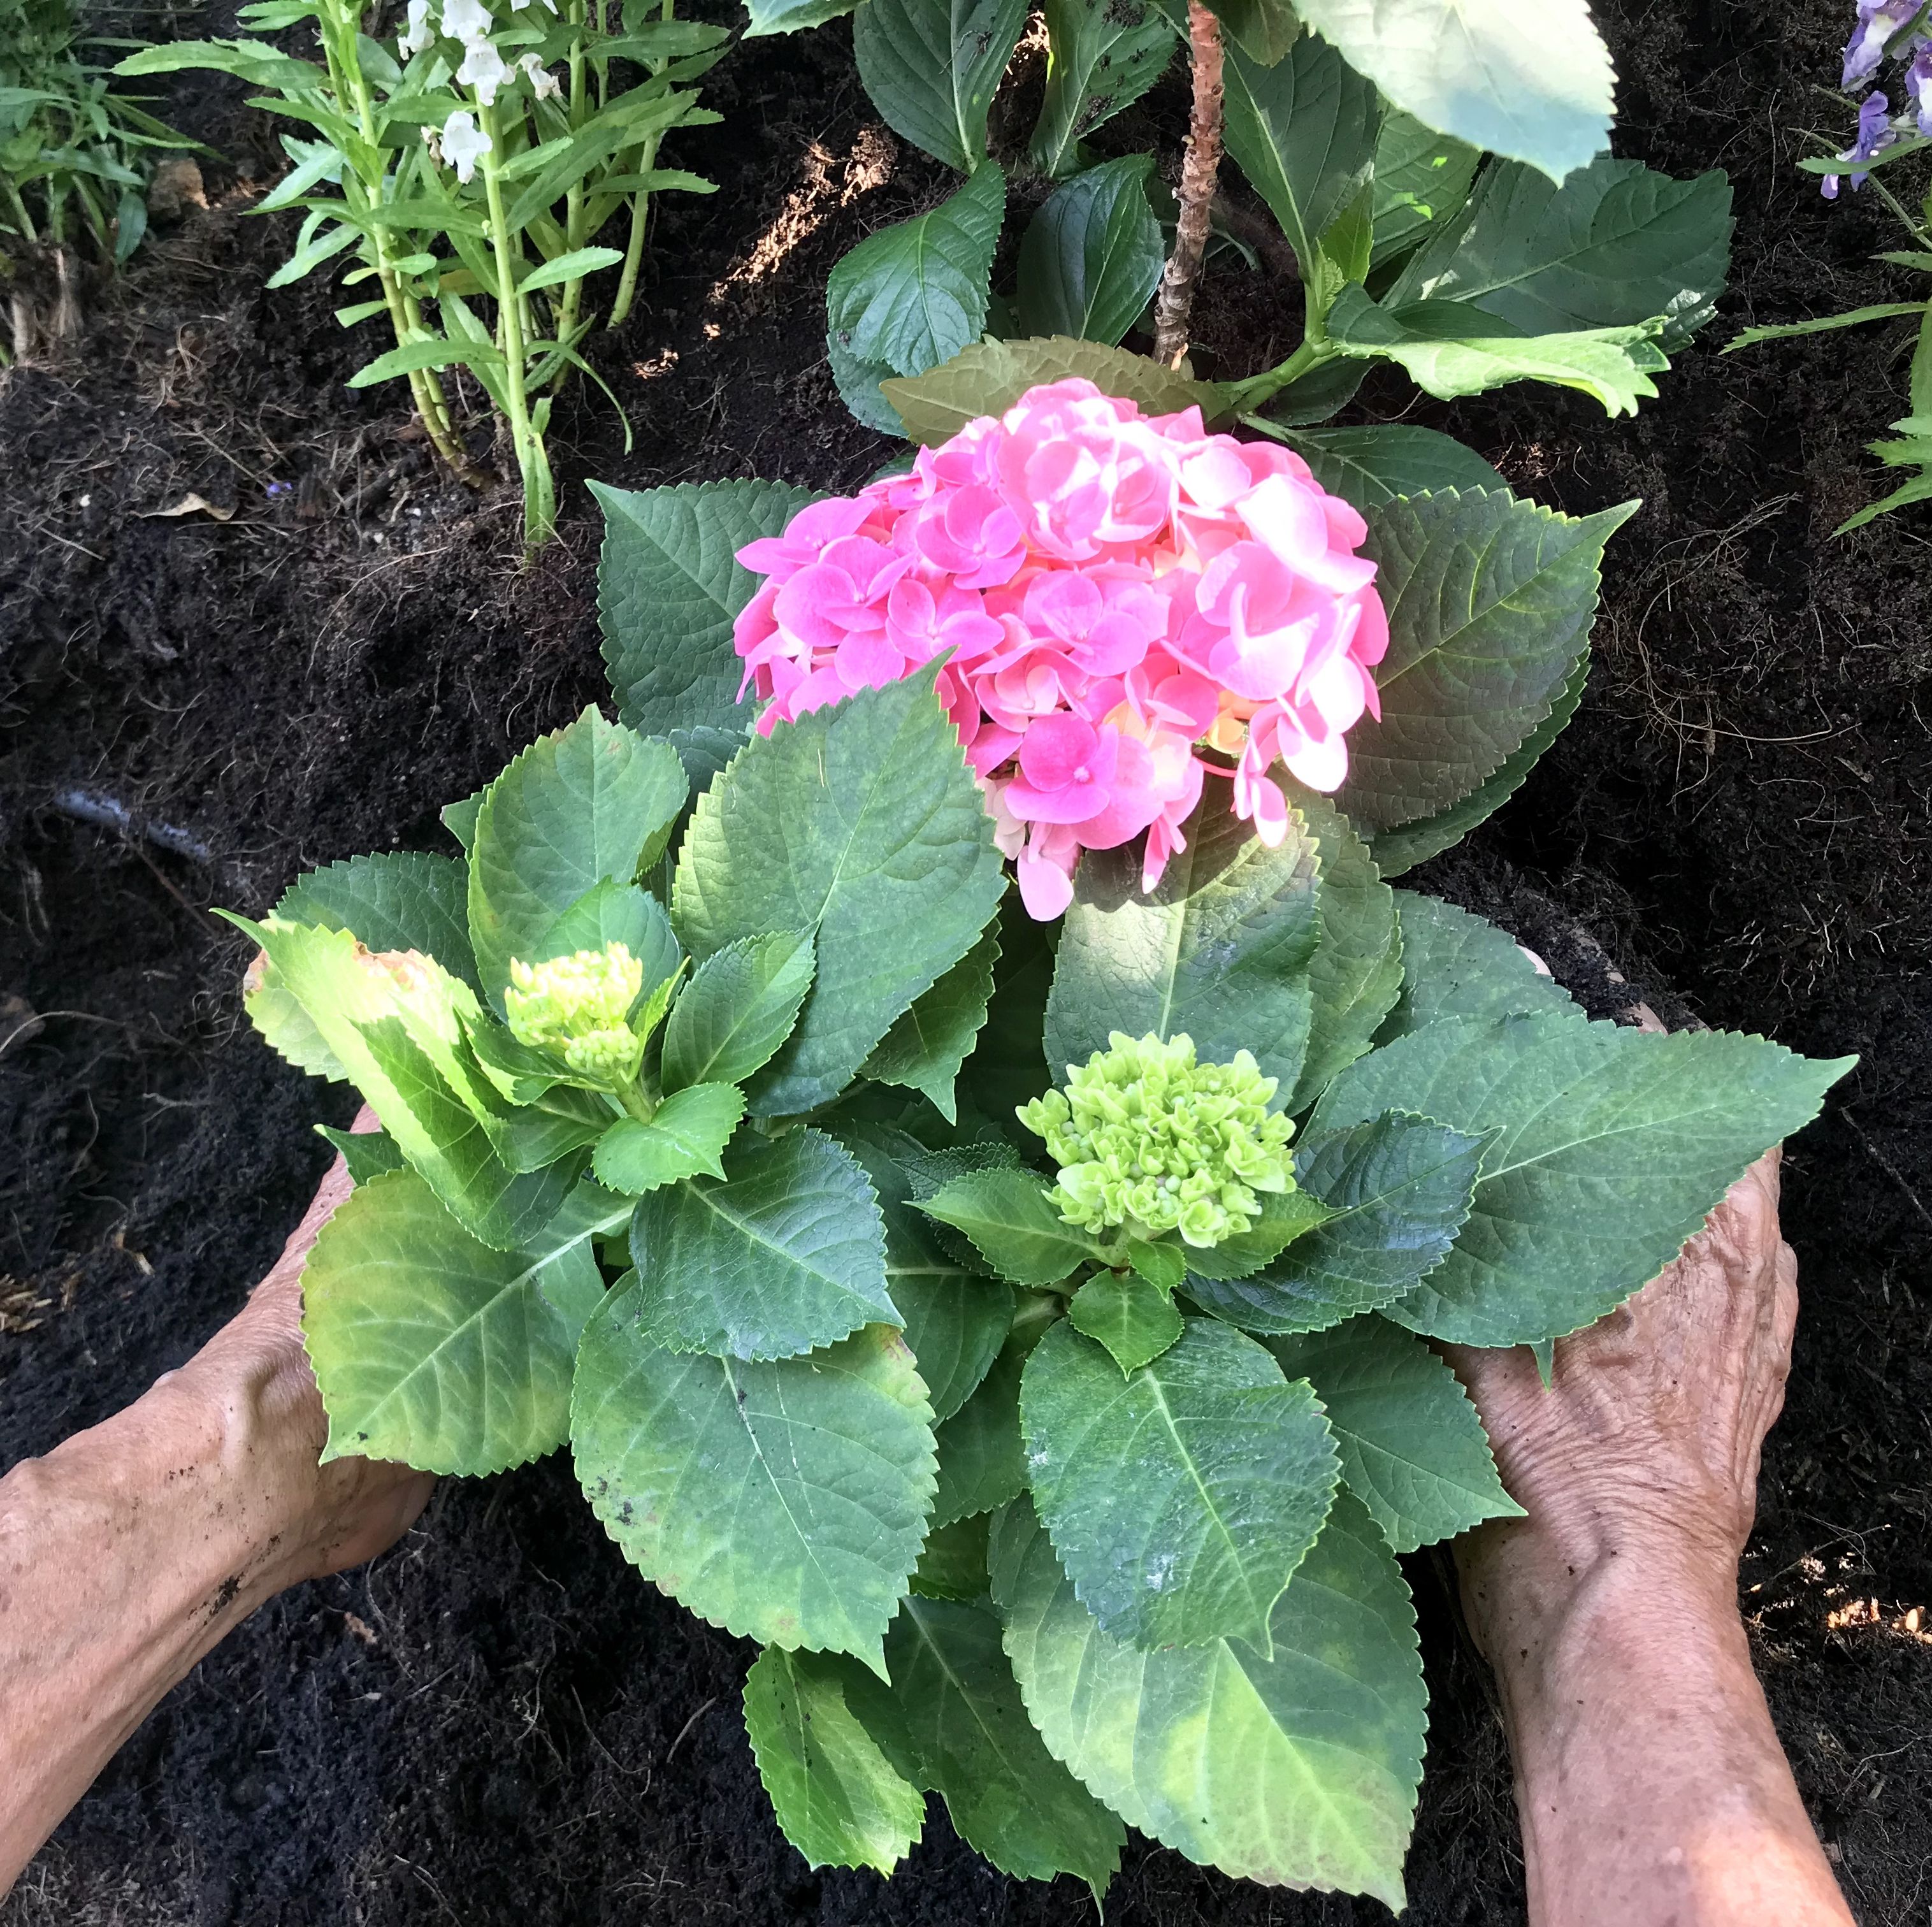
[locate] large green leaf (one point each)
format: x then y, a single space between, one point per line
1489 602
787 1254
739 1007
1422 178
1403 848
1456 965
1009 1799
789 16
592 801
1374 462
1304 132
1398 1189
399 900
1610 1147
926 1048
1092 257
838 1797
861 823
1014 1224
433 1348
1450 351
1617 243
1299 1770
989 377
400 1038
784 1501
1529 78
1102 56
1218 950
932 67
669 588
981 1459
912 295
1181 1498
1264 30
685 1136
1413 1450
1355 974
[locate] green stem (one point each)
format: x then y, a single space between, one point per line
20 210
574 237
636 1102
539 507
634 250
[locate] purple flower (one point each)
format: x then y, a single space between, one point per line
1875 134
1878 21
1919 84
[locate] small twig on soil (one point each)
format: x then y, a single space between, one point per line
1174 304
1886 1165
684 1731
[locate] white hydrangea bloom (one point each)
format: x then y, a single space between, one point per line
483 69
544 84
419 33
463 144
467 20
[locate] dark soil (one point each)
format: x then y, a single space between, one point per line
499 1723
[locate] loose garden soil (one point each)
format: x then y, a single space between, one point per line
499 1722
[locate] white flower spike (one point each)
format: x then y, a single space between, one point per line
544 84
419 33
483 69
467 20
463 144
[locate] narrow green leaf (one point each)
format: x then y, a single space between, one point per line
1397 1190
1008 1798
570 267
1609 1148
1180 1499
1128 1314
1529 78
1102 56
932 66
739 1007
1413 1450
1404 846
982 1461
1299 1770
1456 965
913 295
1014 1224
1355 975
1218 950
686 1137
412 356
784 1501
989 377
1374 463
431 1347
836 1795
924 1049
669 587
1421 178
1489 601
1304 132
1616 244
588 802
1092 257
1887 310
888 856
786 1253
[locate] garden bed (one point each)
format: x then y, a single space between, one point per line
500 1721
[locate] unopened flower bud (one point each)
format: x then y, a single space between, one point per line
578 1007
1148 1140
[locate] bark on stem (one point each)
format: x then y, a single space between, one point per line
1174 304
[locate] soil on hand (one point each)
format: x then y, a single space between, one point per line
246 628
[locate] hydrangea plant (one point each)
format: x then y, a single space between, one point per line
1008 1313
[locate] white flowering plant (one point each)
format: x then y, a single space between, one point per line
475 156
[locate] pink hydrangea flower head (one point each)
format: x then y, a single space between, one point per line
1118 603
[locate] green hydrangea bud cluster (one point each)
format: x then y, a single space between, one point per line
1149 1140
577 1006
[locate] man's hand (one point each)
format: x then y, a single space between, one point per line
132 1549
1651 1787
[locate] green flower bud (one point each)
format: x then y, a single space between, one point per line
577 1006
1150 1141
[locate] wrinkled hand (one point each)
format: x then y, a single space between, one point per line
341 1514
1645 1447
